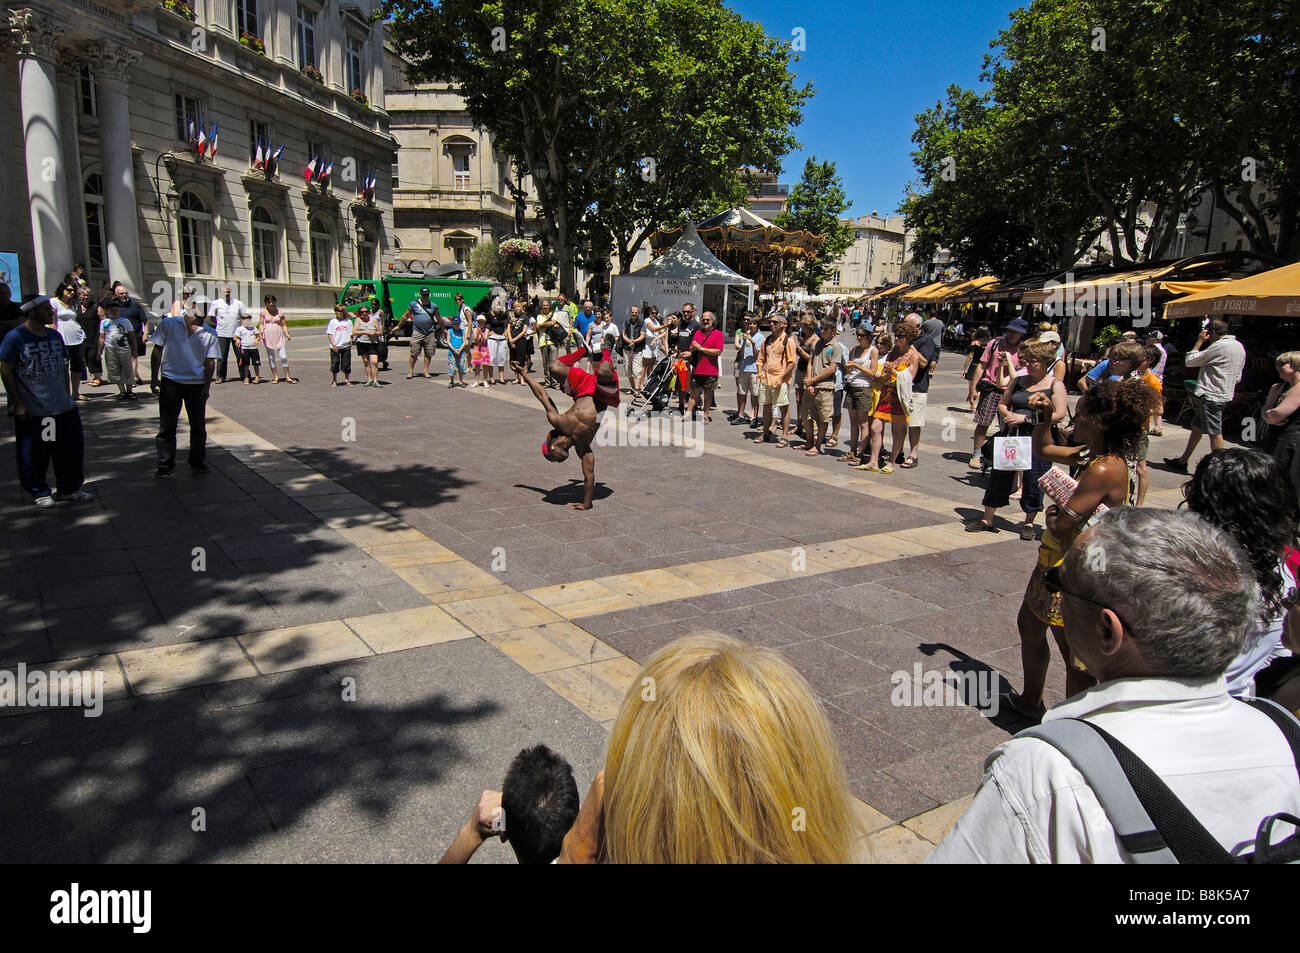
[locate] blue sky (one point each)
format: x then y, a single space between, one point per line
874 67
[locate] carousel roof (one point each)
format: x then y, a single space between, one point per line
740 232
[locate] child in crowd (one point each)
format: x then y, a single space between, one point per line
339 331
479 358
247 337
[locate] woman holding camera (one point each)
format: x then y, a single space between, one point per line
1037 358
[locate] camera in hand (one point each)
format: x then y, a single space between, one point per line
1038 415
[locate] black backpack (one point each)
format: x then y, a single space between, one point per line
1153 825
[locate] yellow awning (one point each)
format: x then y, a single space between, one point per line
1063 293
965 288
1190 287
897 289
1275 293
916 294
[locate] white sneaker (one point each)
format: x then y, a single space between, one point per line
45 501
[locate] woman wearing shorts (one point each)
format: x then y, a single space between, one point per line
275 334
859 395
366 331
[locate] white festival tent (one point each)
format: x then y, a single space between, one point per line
686 272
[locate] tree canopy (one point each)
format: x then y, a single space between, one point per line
627 115
1112 117
816 205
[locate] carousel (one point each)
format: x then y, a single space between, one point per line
750 246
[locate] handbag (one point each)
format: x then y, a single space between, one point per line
1013 453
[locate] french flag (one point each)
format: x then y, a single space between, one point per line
308 172
203 141
259 160
273 160
212 141
327 171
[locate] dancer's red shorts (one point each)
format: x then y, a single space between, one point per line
581 383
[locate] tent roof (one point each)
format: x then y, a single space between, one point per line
690 258
1275 292
741 217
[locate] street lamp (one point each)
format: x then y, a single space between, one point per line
173 201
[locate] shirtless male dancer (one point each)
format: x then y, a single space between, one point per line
577 426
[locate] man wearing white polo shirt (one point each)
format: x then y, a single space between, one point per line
186 354
226 313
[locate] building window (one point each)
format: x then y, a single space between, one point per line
89 93
259 133
316 150
306 37
395 171
461 248
366 255
188 118
94 193
352 59
460 165
322 251
503 177
195 225
246 17
266 246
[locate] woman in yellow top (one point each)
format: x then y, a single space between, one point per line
1108 426
889 409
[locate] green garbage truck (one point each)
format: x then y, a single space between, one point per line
396 290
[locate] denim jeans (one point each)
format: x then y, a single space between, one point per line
41 439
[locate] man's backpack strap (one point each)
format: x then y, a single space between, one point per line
1096 761
1285 721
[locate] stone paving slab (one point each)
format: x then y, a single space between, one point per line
317 550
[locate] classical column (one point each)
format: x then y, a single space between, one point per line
123 252
69 76
35 37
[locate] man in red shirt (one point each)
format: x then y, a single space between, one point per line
706 348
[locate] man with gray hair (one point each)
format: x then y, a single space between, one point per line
1156 604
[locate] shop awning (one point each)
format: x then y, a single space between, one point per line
916 294
964 288
1274 293
1189 287
1062 293
888 292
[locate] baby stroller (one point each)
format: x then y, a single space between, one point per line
653 398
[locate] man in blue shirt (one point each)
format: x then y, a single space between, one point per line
47 426
426 322
134 312
185 352
583 320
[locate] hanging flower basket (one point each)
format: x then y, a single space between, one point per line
520 249
252 42
180 8
360 97
313 73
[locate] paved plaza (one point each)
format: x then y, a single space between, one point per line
333 641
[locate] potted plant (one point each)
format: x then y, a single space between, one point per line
360 97
180 7
252 41
314 73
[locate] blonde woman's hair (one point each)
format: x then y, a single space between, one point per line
721 754
1289 357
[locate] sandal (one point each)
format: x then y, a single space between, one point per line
761 438
887 469
832 442
410 377
814 452
909 463
851 459
867 467
783 443
1016 702
1027 532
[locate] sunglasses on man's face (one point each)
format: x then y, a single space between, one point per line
1052 583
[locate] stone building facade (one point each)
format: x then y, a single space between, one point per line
95 124
875 258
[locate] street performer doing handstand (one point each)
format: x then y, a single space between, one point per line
577 426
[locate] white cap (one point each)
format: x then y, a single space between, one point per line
34 303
